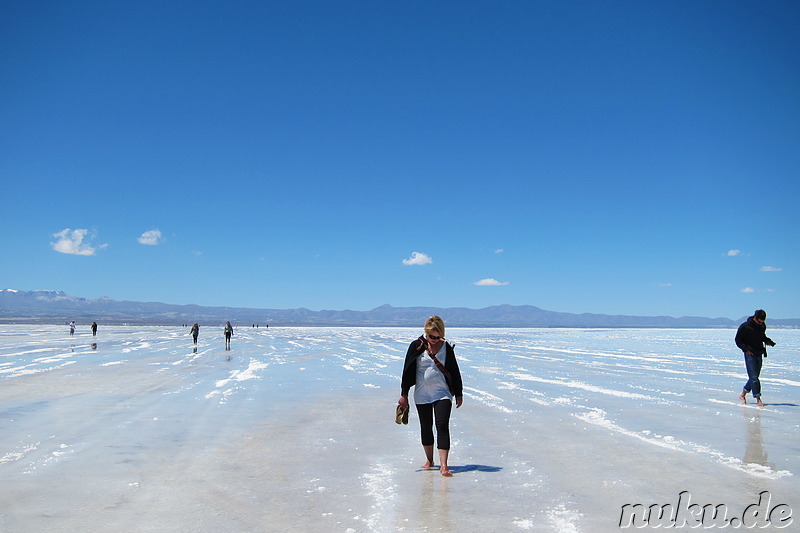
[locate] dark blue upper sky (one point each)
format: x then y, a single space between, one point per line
613 157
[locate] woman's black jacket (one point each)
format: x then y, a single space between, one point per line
410 368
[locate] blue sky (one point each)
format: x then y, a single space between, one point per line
630 157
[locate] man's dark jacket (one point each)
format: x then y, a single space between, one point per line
751 337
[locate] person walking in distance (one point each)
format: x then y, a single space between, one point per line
228 332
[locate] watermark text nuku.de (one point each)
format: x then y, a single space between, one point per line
684 514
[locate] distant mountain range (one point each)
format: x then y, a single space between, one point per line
56 307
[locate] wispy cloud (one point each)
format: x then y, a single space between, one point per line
71 241
748 289
151 238
733 253
667 284
499 251
418 258
770 269
490 282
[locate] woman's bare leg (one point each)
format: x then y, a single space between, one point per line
429 456
443 469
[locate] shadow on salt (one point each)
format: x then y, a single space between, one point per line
475 468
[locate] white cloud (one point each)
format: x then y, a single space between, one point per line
151 238
418 258
770 269
667 284
490 282
71 242
733 253
748 289
499 251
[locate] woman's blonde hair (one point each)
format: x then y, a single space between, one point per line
436 323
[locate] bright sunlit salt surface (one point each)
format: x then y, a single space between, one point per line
293 429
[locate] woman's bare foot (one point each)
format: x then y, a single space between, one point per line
760 403
429 456
741 397
444 469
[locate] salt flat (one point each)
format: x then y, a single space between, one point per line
293 429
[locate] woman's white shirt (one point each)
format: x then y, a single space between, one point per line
431 385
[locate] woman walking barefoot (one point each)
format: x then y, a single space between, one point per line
432 369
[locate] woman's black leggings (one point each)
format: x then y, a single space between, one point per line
439 409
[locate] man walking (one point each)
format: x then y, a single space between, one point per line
751 338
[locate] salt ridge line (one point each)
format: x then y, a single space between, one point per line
584 386
17 354
575 351
141 346
597 417
54 358
673 359
236 376
488 399
246 374
21 370
16 456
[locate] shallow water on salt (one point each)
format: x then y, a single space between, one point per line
292 429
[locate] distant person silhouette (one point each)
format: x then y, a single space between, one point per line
228 332
195 332
94 329
72 328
